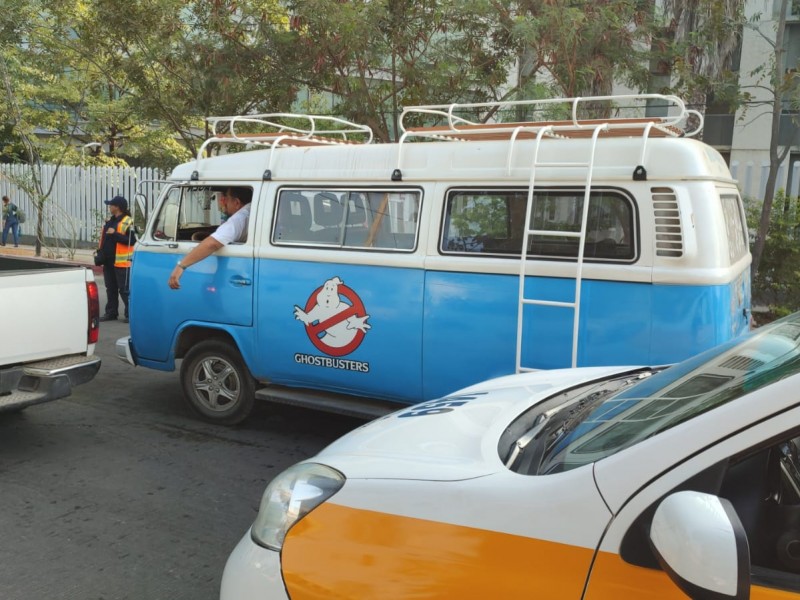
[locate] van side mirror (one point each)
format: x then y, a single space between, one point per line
700 542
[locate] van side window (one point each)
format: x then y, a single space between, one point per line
491 222
356 219
191 213
166 223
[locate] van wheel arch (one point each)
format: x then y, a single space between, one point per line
191 336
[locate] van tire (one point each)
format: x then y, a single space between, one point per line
216 383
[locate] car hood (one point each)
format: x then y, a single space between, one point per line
454 437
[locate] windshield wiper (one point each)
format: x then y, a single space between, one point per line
552 425
519 446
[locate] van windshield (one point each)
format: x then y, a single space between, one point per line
647 406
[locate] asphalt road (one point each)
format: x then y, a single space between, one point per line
118 492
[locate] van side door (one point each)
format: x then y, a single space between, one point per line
340 292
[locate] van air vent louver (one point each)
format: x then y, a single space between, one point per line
742 363
669 236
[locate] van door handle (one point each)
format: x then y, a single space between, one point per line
240 281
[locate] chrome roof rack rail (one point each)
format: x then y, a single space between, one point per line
455 127
281 130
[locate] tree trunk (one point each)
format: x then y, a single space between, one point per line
775 158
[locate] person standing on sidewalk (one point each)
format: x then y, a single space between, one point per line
10 220
116 242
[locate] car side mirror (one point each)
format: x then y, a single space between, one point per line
700 542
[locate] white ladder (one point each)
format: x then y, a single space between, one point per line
575 305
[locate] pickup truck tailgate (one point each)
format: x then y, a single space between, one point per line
44 313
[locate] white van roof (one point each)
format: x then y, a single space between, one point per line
615 159
330 149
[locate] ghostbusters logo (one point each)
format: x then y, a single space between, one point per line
334 317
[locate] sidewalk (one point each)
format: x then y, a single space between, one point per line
81 256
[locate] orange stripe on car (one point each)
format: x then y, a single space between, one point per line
341 552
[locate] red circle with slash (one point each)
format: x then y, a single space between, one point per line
315 331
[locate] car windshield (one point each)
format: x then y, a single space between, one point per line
653 404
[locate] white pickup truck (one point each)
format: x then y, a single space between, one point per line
49 317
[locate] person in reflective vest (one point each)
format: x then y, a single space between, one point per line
116 242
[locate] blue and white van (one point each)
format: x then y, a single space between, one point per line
376 275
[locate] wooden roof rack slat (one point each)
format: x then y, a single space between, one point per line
565 129
457 126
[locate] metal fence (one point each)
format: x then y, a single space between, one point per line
752 178
74 210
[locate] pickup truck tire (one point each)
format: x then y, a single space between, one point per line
216 383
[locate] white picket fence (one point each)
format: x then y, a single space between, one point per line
74 211
752 178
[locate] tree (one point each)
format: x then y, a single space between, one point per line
37 89
582 46
780 85
182 61
699 40
373 58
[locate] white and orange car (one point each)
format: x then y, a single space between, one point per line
595 483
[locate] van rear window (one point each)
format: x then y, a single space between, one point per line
492 223
357 219
734 226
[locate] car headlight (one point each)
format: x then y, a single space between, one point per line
290 497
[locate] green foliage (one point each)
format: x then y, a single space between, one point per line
584 45
486 216
698 41
184 61
376 57
777 284
141 76
137 77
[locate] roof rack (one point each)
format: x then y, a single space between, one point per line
283 129
458 128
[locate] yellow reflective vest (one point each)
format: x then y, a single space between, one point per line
124 252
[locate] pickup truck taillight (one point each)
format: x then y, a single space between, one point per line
92 294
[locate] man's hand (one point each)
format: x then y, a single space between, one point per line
110 230
205 248
175 278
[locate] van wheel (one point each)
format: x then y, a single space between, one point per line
217 384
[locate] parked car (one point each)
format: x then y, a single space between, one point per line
50 315
591 483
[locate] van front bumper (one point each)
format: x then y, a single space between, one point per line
252 573
125 350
